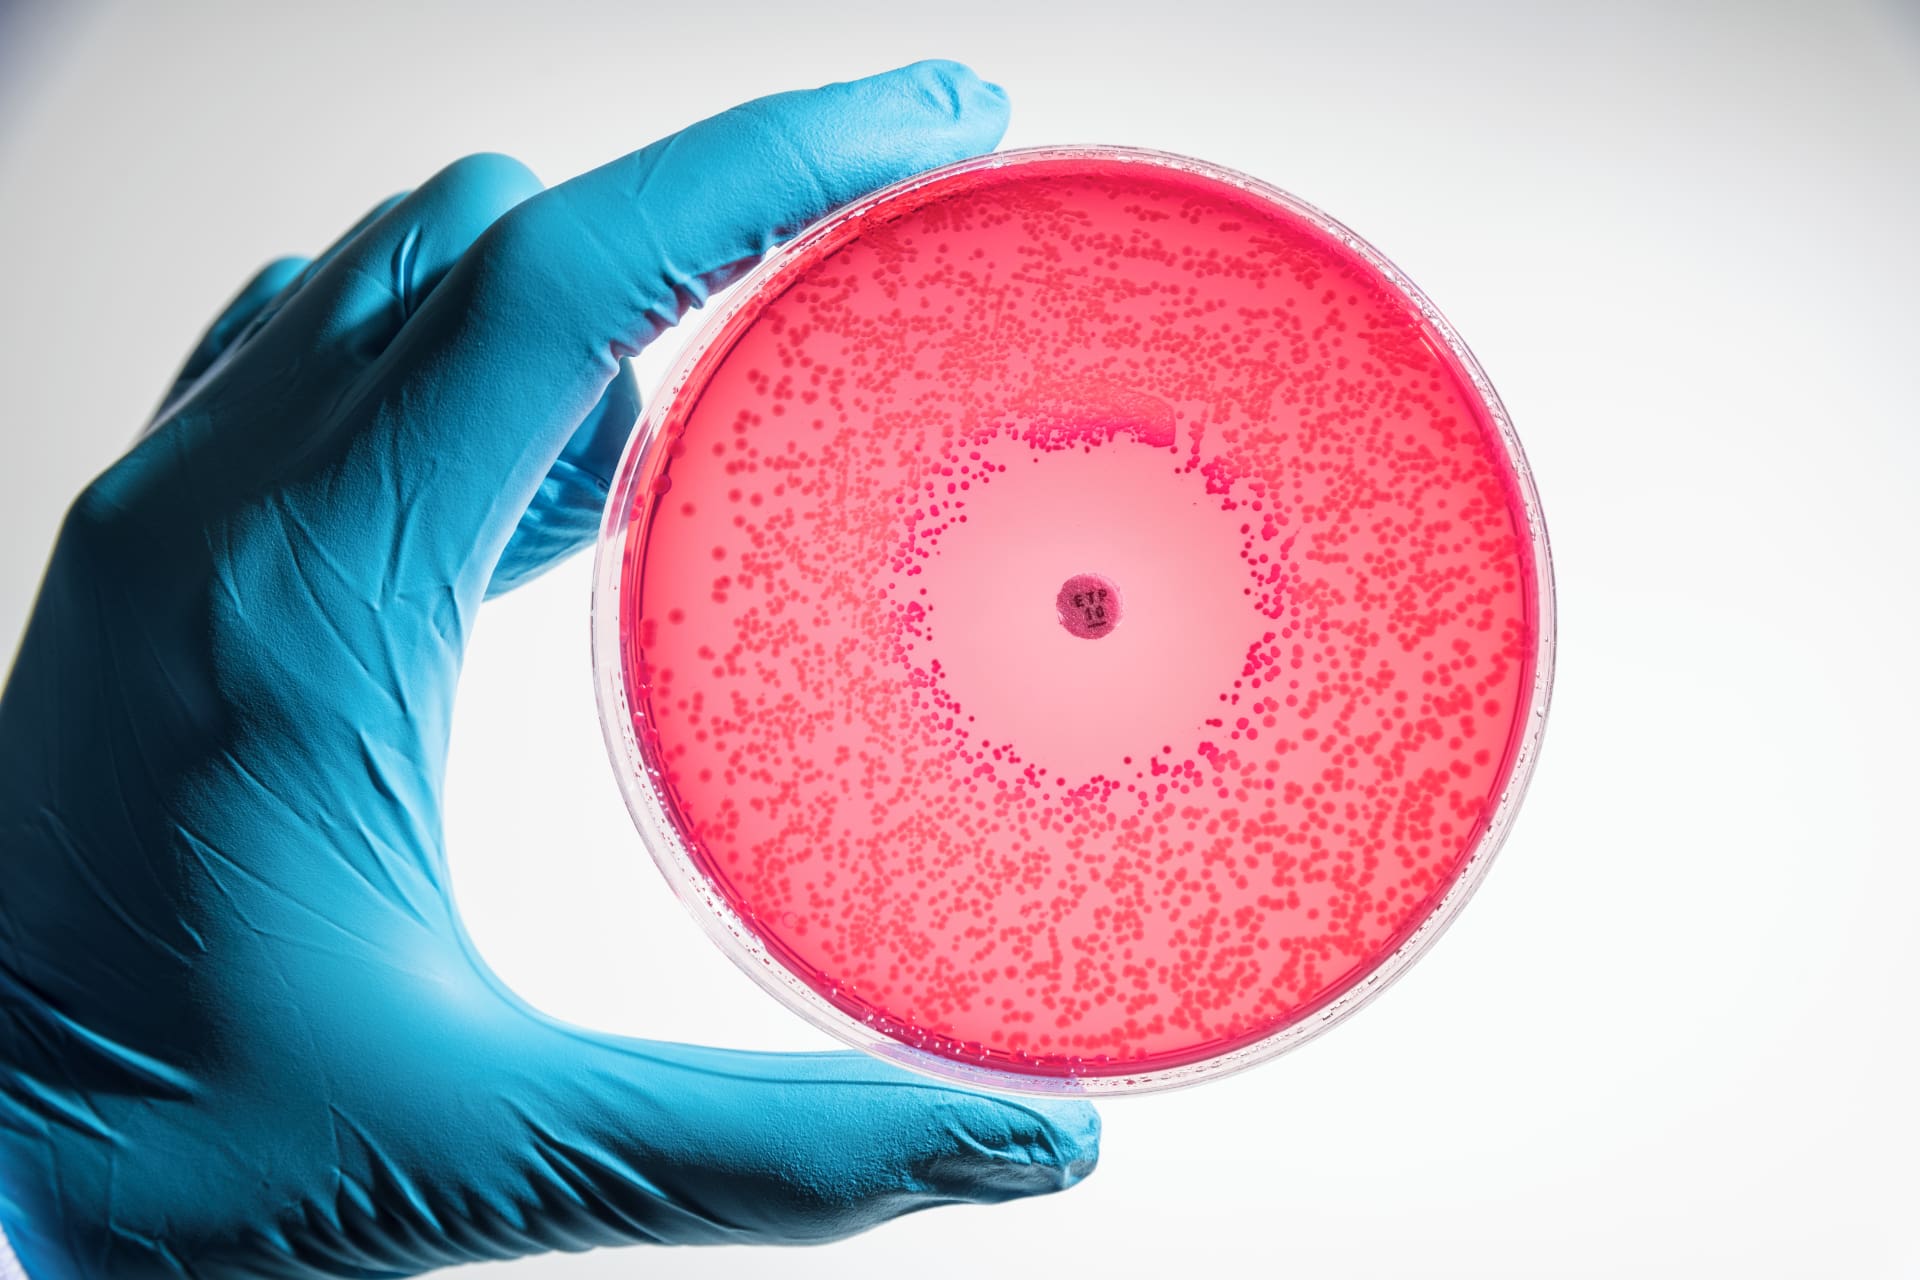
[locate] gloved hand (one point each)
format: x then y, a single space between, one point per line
241 1030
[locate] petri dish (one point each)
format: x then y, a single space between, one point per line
1075 621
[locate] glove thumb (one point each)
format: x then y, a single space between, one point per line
633 1141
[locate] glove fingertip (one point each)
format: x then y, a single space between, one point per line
1081 1142
1009 1149
1071 1137
952 89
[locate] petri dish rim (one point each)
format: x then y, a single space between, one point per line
624 525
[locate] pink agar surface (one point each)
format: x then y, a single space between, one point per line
973 827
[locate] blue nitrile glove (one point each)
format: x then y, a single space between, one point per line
241 1030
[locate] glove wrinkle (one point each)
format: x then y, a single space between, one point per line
403 262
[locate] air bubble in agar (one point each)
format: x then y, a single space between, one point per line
884 733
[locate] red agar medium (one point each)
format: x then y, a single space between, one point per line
1077 620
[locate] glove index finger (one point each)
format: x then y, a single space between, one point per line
522 338
718 196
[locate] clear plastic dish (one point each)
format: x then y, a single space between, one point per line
1076 621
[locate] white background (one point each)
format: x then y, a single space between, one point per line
1675 1034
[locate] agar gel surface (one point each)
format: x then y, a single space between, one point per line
1120 843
